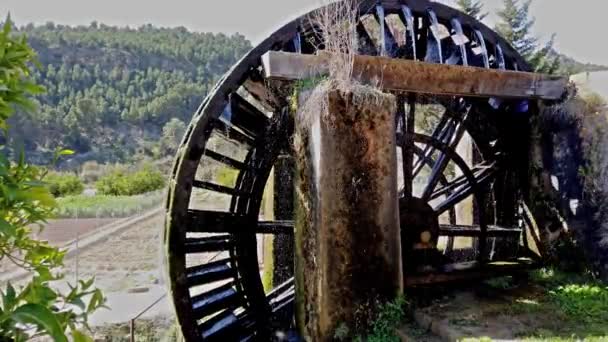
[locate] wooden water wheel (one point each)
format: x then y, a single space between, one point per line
461 204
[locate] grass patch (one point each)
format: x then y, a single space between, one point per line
570 307
390 316
102 206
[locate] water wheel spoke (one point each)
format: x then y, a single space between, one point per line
466 189
218 188
408 148
476 231
235 164
452 140
204 221
284 227
440 131
217 243
219 326
282 295
226 129
210 272
442 162
208 303
482 174
455 198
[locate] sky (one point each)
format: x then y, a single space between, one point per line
579 25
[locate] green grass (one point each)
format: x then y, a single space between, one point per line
574 306
102 206
391 315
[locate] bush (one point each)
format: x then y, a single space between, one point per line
122 183
91 171
64 184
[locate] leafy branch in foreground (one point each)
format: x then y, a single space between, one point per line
34 309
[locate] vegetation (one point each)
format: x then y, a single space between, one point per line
34 309
576 304
101 206
383 329
515 26
64 184
123 183
474 8
114 93
146 330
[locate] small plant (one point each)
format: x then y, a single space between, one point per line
122 183
342 332
390 316
64 184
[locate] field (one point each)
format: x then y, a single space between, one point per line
58 232
100 206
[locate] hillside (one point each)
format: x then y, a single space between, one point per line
123 95
570 66
118 94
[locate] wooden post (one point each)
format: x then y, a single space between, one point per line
348 248
278 249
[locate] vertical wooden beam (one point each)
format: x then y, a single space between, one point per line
348 245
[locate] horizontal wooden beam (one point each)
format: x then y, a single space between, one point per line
419 77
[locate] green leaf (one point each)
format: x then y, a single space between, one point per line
9 299
6 228
66 152
42 317
79 336
96 301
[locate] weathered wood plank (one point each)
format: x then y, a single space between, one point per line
418 77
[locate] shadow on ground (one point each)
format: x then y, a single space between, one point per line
547 306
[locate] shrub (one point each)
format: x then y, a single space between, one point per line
91 171
121 183
64 184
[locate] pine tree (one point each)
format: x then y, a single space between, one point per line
473 8
515 25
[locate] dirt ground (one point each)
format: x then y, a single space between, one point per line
130 259
58 232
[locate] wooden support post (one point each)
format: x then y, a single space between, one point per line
278 249
411 76
283 210
348 248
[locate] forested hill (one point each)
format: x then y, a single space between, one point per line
111 91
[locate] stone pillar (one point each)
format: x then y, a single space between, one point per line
348 248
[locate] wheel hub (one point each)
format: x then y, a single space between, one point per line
419 224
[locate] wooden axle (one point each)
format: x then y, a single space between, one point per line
419 77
